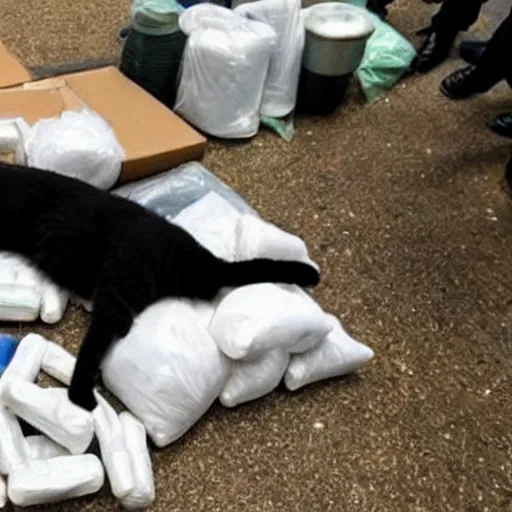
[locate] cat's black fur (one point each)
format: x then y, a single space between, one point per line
114 252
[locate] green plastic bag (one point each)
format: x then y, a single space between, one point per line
156 17
387 58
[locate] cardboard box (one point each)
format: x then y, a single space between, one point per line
153 137
12 72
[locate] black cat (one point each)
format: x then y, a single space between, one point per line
116 253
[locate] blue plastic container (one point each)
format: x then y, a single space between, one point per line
8 346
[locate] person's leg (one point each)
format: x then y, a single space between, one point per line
492 67
453 16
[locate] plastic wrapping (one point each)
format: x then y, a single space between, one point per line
13 134
176 370
8 345
13 447
224 69
168 193
3 493
156 17
249 380
212 221
284 16
58 363
77 144
113 448
338 354
253 319
53 302
51 412
27 360
41 448
40 482
143 494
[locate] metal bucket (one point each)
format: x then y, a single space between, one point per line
336 35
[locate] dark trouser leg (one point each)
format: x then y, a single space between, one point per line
457 15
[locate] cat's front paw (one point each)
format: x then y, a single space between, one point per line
83 398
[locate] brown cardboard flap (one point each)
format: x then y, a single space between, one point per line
31 105
12 72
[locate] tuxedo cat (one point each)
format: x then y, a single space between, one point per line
114 252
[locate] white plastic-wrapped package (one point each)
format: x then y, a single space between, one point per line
257 238
168 193
337 354
253 379
175 369
41 482
51 412
143 494
114 454
13 134
3 493
212 221
13 447
224 68
53 302
79 144
284 16
253 319
27 360
58 363
42 447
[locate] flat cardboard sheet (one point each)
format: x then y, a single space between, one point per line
12 72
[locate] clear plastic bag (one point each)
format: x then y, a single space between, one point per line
77 144
170 192
224 69
284 16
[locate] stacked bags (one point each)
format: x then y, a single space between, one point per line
182 355
55 466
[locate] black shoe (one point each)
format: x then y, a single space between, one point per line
502 125
471 51
464 83
434 50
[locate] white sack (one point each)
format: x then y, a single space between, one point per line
338 354
224 68
284 16
249 380
3 492
42 447
40 482
27 360
212 221
113 448
58 363
254 319
175 369
79 144
53 302
13 447
51 412
143 494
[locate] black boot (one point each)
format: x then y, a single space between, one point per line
464 83
434 50
502 125
471 51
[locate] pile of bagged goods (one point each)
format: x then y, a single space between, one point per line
238 67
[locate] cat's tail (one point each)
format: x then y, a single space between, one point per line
269 271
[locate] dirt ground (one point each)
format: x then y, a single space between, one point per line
402 205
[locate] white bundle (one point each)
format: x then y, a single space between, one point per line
13 447
143 493
42 447
113 448
78 144
53 302
254 319
27 360
284 16
338 354
40 482
51 412
58 363
249 380
224 68
175 369
3 492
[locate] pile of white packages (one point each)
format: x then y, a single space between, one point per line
55 465
239 64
